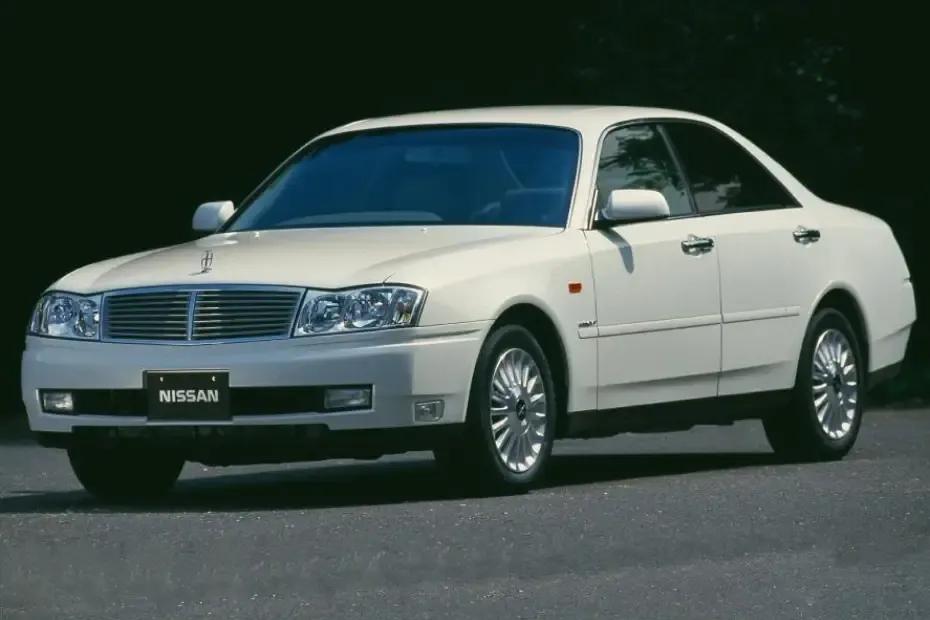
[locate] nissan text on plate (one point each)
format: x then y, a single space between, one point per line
477 283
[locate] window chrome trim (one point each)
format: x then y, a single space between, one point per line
660 122
194 289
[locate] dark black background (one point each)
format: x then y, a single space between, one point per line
121 119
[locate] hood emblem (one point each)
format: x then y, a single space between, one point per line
206 262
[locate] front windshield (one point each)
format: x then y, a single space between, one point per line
478 175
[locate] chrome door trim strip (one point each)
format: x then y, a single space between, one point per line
658 326
761 315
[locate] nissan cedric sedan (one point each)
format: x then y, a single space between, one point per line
477 283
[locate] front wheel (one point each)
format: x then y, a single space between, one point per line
124 473
826 411
510 423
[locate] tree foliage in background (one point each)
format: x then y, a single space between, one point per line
769 69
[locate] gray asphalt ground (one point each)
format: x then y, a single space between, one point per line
703 524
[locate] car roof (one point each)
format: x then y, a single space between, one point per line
579 117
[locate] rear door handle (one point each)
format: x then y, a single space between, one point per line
806 235
694 245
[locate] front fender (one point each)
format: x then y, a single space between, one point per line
480 284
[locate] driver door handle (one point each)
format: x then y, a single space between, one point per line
695 245
806 235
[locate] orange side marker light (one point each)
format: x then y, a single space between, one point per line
574 287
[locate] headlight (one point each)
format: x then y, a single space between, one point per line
375 307
63 315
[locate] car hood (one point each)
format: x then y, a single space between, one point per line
322 257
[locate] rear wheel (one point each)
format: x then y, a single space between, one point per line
510 424
124 473
826 410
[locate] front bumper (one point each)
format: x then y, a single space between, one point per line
404 366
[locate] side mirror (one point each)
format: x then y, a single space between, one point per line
211 215
632 205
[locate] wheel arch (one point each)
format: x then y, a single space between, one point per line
544 329
844 300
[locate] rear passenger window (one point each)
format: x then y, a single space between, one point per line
636 157
722 174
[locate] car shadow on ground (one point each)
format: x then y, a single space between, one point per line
14 430
367 484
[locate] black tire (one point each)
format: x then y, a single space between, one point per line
473 459
125 473
796 434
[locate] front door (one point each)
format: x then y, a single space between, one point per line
658 292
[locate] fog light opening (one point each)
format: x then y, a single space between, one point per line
57 402
347 398
428 411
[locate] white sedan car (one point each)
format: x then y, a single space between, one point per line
478 283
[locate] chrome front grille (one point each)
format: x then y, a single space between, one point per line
200 315
224 314
161 315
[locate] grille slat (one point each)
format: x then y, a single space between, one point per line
254 333
230 294
149 321
180 328
250 307
211 296
116 333
143 308
252 313
202 321
241 326
213 314
148 301
234 295
148 336
243 304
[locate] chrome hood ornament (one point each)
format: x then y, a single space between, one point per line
206 262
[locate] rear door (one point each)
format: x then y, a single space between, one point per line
768 248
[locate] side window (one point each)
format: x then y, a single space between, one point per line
721 173
636 157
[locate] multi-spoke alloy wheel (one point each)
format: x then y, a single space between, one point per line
825 411
835 383
510 425
518 409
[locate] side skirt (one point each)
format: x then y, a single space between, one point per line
677 415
